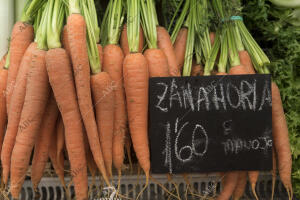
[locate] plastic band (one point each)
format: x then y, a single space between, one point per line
233 18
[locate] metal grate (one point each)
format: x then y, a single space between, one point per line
51 189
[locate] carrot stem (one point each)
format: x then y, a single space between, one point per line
133 25
93 52
114 21
55 24
41 34
209 65
187 68
180 20
74 7
149 22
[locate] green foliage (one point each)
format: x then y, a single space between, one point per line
271 27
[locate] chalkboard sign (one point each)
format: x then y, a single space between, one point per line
210 123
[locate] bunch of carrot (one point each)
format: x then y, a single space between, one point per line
234 51
64 95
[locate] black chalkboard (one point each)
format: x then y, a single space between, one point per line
210 123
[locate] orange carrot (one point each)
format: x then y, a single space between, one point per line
241 186
246 61
180 46
17 101
253 177
124 41
164 43
274 172
157 63
89 156
37 94
77 38
41 150
104 101
62 83
212 36
197 70
113 64
21 37
60 138
281 140
3 112
64 40
136 77
56 163
230 182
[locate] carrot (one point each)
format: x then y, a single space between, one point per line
241 186
124 41
180 46
21 37
3 61
157 63
113 64
37 94
246 61
197 70
78 47
89 156
281 140
100 50
60 136
62 83
57 163
65 41
17 101
274 172
212 36
104 102
230 182
136 87
253 177
164 43
41 150
3 112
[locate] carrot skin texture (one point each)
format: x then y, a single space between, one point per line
65 41
21 37
212 37
62 83
78 47
124 41
230 182
246 61
17 101
241 185
60 138
36 98
41 150
3 112
197 70
157 63
164 43
104 102
281 139
113 58
53 156
180 46
100 50
136 75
